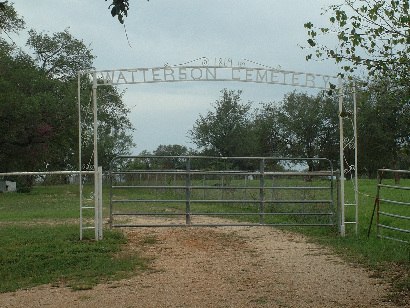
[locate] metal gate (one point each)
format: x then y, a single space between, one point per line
164 191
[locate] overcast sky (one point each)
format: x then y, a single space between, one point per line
173 32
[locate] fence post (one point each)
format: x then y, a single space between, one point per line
338 202
262 191
188 192
100 207
379 182
341 159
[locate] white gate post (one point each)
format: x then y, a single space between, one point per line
341 150
80 175
96 171
100 208
356 172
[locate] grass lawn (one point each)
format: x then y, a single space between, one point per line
388 259
39 241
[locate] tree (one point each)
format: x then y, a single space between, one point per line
226 131
371 34
309 127
39 112
268 131
9 20
171 150
24 113
384 126
60 55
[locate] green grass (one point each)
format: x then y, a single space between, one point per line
388 259
39 243
39 239
34 255
60 202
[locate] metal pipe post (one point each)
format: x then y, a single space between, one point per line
356 184
341 150
100 208
262 191
96 175
188 193
80 177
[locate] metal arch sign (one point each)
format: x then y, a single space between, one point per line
225 70
205 72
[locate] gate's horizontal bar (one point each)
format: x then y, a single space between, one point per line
394 202
394 171
392 238
223 214
221 201
393 228
219 187
148 214
225 173
394 215
219 225
88 228
394 186
46 173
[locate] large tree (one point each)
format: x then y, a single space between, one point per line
370 34
39 107
302 126
114 126
25 115
373 38
9 19
384 126
269 140
60 55
227 130
171 150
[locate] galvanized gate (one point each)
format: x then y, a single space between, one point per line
164 191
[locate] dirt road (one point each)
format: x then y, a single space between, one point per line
222 267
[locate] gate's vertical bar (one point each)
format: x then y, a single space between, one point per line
111 193
379 182
188 192
100 208
80 176
341 154
96 176
262 191
356 182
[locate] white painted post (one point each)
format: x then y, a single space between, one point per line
96 175
100 208
80 177
341 150
356 182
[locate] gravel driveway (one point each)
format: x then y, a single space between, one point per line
222 267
